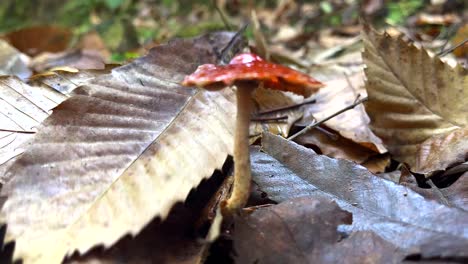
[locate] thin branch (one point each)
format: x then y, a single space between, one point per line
17 131
307 128
443 53
266 118
222 15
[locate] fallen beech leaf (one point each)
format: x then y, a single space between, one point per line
412 96
22 109
304 230
441 151
391 211
352 124
122 150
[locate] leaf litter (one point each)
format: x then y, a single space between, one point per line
80 173
365 233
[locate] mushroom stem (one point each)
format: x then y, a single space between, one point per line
242 174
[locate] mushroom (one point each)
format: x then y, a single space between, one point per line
246 71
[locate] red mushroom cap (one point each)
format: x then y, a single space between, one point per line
250 67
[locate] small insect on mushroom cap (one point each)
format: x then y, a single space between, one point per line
251 67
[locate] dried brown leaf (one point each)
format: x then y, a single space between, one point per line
304 230
123 149
441 151
338 147
412 96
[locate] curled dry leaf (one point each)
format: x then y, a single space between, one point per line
122 150
441 151
394 212
412 96
352 124
304 230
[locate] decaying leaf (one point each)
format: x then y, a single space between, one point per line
352 124
412 96
22 108
440 151
394 212
122 150
304 230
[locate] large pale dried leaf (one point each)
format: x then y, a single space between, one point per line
352 124
412 96
122 150
304 230
393 212
22 109
441 151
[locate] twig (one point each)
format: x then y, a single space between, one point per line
447 34
230 50
307 128
282 108
17 131
266 118
443 53
222 15
327 133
